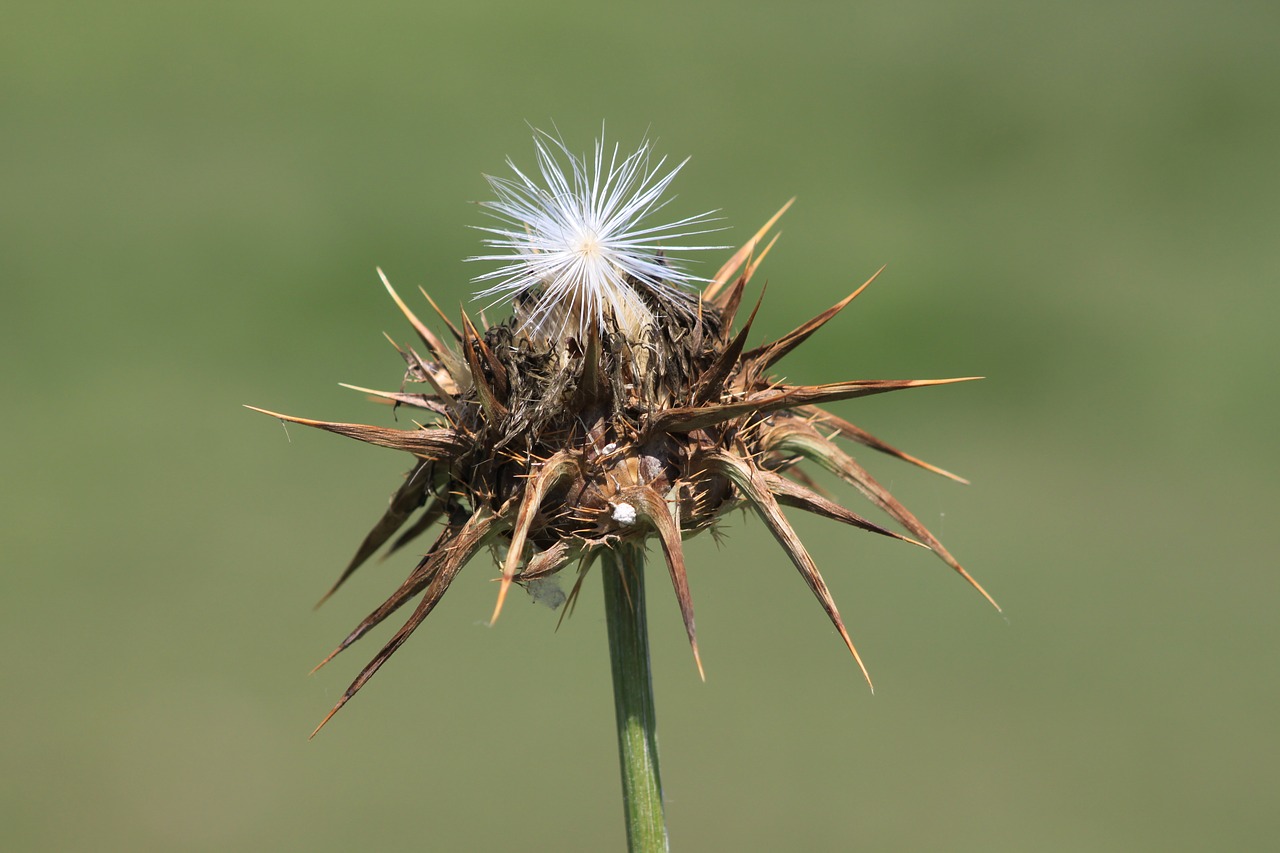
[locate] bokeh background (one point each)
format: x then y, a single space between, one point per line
1079 201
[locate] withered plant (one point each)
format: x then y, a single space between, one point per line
616 405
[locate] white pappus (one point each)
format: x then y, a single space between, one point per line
582 239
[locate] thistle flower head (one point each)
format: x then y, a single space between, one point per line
643 417
584 237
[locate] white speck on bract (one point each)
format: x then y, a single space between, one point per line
583 236
625 514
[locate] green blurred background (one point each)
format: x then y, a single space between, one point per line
1079 201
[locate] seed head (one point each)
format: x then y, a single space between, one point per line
614 406
582 239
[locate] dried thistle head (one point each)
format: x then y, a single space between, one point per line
615 405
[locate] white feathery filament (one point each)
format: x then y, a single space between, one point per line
582 239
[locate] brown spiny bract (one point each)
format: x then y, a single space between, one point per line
548 447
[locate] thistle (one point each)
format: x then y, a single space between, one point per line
616 405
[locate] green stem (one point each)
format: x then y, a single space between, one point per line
633 699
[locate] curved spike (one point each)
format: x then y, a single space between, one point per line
435 590
446 385
447 357
458 541
571 602
494 410
496 367
769 354
650 505
425 334
855 433
430 402
755 262
436 443
417 580
728 303
734 263
403 502
796 495
808 442
687 418
709 385
449 559
452 328
745 477
548 474
433 513
803 477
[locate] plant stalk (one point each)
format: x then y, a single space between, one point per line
624 606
